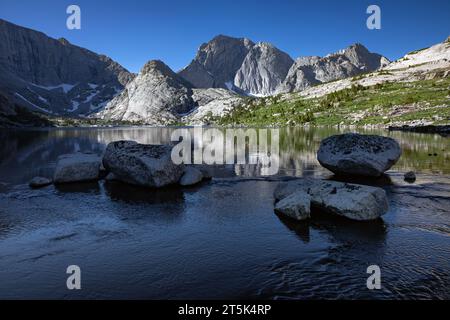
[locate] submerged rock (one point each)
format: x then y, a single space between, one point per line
142 165
39 182
355 154
191 177
77 167
296 206
410 177
352 201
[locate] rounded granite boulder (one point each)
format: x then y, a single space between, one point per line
355 154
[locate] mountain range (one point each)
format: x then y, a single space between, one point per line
57 78
233 67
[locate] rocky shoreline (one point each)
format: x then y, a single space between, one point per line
443 130
347 156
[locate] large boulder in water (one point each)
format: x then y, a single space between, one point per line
77 167
142 165
352 201
355 154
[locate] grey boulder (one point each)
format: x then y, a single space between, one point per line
77 167
355 154
39 182
191 177
352 201
295 206
142 165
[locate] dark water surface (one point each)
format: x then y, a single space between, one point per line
222 238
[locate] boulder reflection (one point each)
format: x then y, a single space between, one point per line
341 229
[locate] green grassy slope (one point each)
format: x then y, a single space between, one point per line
388 103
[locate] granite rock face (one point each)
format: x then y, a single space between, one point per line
142 165
214 102
355 154
217 62
53 76
156 96
263 70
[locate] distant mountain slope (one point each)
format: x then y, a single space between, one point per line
309 71
12 115
54 76
429 63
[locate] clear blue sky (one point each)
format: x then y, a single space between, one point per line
133 32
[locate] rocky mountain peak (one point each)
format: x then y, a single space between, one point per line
217 61
157 96
358 47
263 70
156 66
64 41
158 69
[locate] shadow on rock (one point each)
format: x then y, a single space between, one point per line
383 180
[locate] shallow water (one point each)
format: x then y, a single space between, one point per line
222 238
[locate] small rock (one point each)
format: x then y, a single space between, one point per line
78 167
410 176
355 154
39 182
191 176
296 206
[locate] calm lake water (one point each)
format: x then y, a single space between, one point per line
220 239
